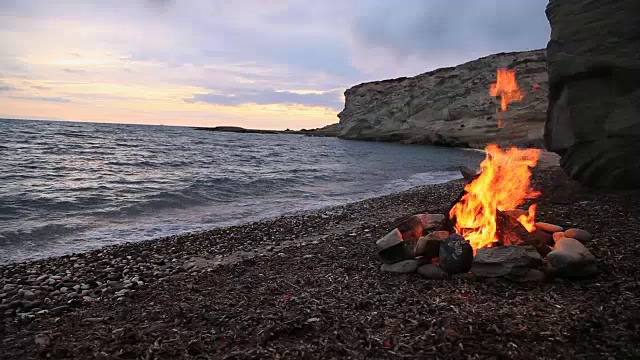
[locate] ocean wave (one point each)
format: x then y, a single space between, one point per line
134 182
73 134
36 233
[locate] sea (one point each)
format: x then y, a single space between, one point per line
71 186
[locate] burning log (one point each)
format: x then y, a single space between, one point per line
450 222
510 231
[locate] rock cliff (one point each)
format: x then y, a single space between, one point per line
449 106
594 93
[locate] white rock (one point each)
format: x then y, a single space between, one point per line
571 258
581 235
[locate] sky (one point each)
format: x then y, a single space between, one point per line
264 64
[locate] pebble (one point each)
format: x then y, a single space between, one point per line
42 340
402 267
431 271
581 235
550 228
58 310
29 295
122 292
93 320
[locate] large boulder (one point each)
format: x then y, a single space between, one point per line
593 119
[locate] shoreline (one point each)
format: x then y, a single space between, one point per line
330 209
301 212
288 285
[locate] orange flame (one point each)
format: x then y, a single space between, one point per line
503 184
506 87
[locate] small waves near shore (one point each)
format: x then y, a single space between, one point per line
69 187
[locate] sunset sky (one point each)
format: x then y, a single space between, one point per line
267 64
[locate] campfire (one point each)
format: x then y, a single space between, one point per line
502 185
486 231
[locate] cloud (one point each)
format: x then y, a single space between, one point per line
40 87
329 99
74 71
42 98
4 87
433 28
152 55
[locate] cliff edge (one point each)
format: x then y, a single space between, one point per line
449 106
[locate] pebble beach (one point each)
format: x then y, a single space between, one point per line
310 285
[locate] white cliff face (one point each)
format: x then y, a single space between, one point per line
450 106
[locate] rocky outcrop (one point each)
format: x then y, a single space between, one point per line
594 95
450 106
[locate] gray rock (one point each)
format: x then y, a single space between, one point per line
456 254
581 235
402 267
594 91
498 270
532 275
550 228
433 272
392 238
571 258
431 221
509 255
505 261
396 249
429 245
412 228
468 173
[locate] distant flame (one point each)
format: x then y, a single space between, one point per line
506 87
503 184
